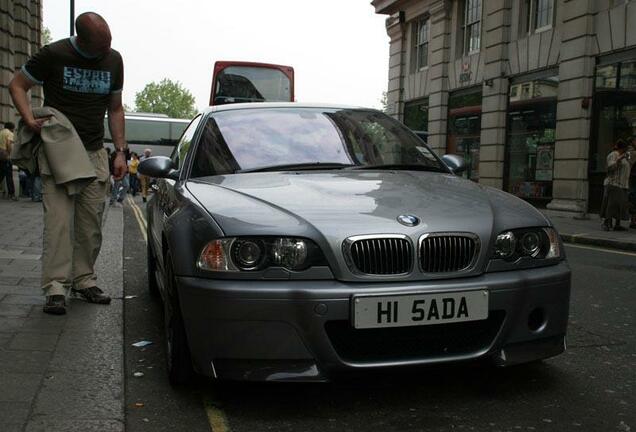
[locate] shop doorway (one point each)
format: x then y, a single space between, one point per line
464 129
614 119
529 164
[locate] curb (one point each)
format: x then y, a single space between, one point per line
595 241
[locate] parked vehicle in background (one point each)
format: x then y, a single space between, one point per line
239 82
294 241
157 132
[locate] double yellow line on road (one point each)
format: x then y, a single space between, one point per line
139 215
216 417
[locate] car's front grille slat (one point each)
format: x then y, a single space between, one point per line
447 253
381 256
439 253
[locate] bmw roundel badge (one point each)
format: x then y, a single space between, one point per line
408 220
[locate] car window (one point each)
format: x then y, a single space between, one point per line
178 155
252 138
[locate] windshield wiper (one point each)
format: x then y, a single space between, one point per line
406 167
297 166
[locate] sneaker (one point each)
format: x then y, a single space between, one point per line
55 305
13 198
92 295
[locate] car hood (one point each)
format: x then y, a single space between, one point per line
339 204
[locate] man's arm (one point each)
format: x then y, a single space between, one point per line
116 124
18 87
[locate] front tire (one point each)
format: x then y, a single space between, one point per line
178 358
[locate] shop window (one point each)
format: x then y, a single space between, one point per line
464 129
471 27
420 38
416 115
614 117
606 77
628 76
530 139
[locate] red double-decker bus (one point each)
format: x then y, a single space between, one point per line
237 82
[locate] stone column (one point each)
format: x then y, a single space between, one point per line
574 109
496 35
35 39
397 56
7 60
439 49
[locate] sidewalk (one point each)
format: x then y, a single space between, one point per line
588 231
57 372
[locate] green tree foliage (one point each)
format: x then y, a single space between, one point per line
384 102
166 97
46 36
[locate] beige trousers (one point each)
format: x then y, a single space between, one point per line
72 229
145 182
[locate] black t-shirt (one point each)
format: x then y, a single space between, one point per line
77 85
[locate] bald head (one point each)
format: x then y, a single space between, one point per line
93 33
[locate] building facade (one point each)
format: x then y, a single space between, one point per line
533 93
20 37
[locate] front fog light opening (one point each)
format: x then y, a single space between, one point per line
537 320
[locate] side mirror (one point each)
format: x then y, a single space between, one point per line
159 167
456 163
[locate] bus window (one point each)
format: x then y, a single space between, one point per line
176 130
147 133
157 132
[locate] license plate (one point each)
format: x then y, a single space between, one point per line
419 309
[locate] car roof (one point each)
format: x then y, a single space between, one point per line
260 105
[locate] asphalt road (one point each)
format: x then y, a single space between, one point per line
589 388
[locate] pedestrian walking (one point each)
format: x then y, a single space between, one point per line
145 180
133 163
615 200
6 167
82 79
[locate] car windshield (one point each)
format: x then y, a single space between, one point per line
277 139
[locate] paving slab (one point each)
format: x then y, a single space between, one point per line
58 372
12 413
23 299
33 342
19 386
24 361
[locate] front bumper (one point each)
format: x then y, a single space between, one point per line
300 331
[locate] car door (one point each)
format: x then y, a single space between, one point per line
166 188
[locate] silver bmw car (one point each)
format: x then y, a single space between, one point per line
295 242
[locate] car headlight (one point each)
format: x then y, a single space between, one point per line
244 254
530 246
